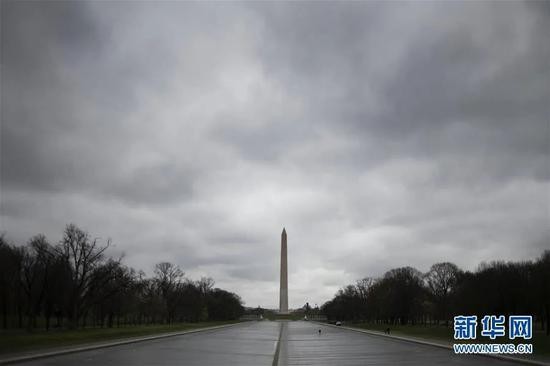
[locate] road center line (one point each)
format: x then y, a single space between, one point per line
278 347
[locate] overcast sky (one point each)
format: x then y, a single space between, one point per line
379 134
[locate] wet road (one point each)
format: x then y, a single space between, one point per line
256 343
301 344
248 344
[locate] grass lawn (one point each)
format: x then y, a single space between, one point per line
540 341
18 341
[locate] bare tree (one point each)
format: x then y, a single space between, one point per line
205 285
83 256
441 280
32 277
363 287
168 276
76 281
10 267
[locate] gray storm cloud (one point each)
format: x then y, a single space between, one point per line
379 134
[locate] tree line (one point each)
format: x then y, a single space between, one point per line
75 284
407 296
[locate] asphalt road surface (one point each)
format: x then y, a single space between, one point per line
257 344
301 344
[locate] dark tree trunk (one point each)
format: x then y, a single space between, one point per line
47 320
547 308
5 313
29 322
20 317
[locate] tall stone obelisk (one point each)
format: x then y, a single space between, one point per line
283 294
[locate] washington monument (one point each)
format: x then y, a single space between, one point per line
283 294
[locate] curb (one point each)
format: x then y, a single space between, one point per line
434 344
92 347
278 347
